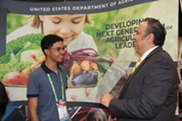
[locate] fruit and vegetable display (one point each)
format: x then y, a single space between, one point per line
85 67
23 55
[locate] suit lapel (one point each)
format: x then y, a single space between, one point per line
138 69
147 58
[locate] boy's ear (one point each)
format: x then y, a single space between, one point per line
46 51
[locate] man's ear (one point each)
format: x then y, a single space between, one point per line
150 38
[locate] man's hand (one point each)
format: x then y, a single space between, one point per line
105 99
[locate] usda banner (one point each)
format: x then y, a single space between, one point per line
98 36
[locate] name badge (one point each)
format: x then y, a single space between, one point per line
62 111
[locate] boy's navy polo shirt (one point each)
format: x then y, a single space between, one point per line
39 86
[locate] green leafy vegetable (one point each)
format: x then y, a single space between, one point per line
12 60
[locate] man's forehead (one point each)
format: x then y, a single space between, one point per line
142 26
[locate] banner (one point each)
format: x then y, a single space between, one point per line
89 113
47 8
100 52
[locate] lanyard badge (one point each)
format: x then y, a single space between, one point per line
61 104
62 111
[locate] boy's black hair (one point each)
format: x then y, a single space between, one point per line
48 41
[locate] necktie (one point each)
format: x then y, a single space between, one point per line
136 65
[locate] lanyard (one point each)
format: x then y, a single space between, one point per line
53 88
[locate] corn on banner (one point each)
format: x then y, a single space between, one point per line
99 55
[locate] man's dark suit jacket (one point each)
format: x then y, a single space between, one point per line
150 93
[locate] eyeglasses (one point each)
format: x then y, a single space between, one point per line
59 48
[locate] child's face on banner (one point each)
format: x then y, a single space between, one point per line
67 26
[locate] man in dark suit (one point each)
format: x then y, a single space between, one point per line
150 93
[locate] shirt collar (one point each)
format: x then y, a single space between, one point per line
147 53
46 69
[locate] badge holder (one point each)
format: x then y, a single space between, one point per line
62 111
61 104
